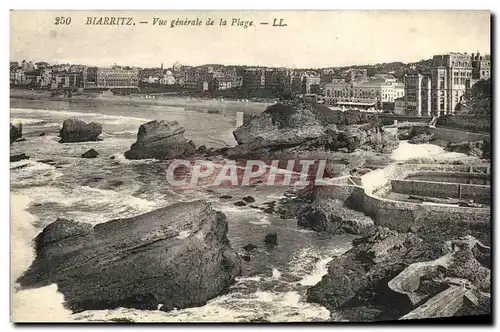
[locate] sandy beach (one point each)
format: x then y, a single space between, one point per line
189 103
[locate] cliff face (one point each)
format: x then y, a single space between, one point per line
177 256
296 129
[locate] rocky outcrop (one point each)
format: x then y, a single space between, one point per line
18 157
271 239
16 132
332 216
294 129
177 257
481 149
327 209
420 135
75 130
160 140
90 154
387 274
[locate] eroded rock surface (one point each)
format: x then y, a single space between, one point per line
177 256
160 140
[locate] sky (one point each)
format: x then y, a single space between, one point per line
310 39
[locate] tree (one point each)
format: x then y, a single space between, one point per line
480 98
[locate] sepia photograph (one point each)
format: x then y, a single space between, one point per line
251 166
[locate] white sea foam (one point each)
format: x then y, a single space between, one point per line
27 121
183 234
89 204
276 274
108 119
406 151
263 220
29 172
33 305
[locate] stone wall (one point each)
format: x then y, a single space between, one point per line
400 216
479 193
476 124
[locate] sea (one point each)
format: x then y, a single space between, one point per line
57 183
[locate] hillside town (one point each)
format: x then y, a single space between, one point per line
442 83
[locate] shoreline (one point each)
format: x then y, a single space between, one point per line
187 103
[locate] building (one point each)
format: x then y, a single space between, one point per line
64 80
417 95
168 78
109 78
357 75
450 76
254 78
377 91
481 66
400 106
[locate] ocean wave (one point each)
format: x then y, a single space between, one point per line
31 305
32 173
263 220
27 121
87 204
108 119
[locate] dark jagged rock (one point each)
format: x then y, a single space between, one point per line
18 157
22 139
388 274
331 216
177 256
271 239
16 132
294 129
226 197
160 140
240 203
420 135
90 154
421 139
479 149
202 149
75 130
249 199
42 134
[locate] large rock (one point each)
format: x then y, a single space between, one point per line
479 149
332 216
90 154
16 132
177 256
160 140
387 274
75 130
18 157
294 129
420 135
466 260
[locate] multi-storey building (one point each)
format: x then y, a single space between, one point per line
481 66
310 84
417 95
66 80
450 75
108 78
375 91
254 78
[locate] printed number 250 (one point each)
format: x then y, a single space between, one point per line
61 20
